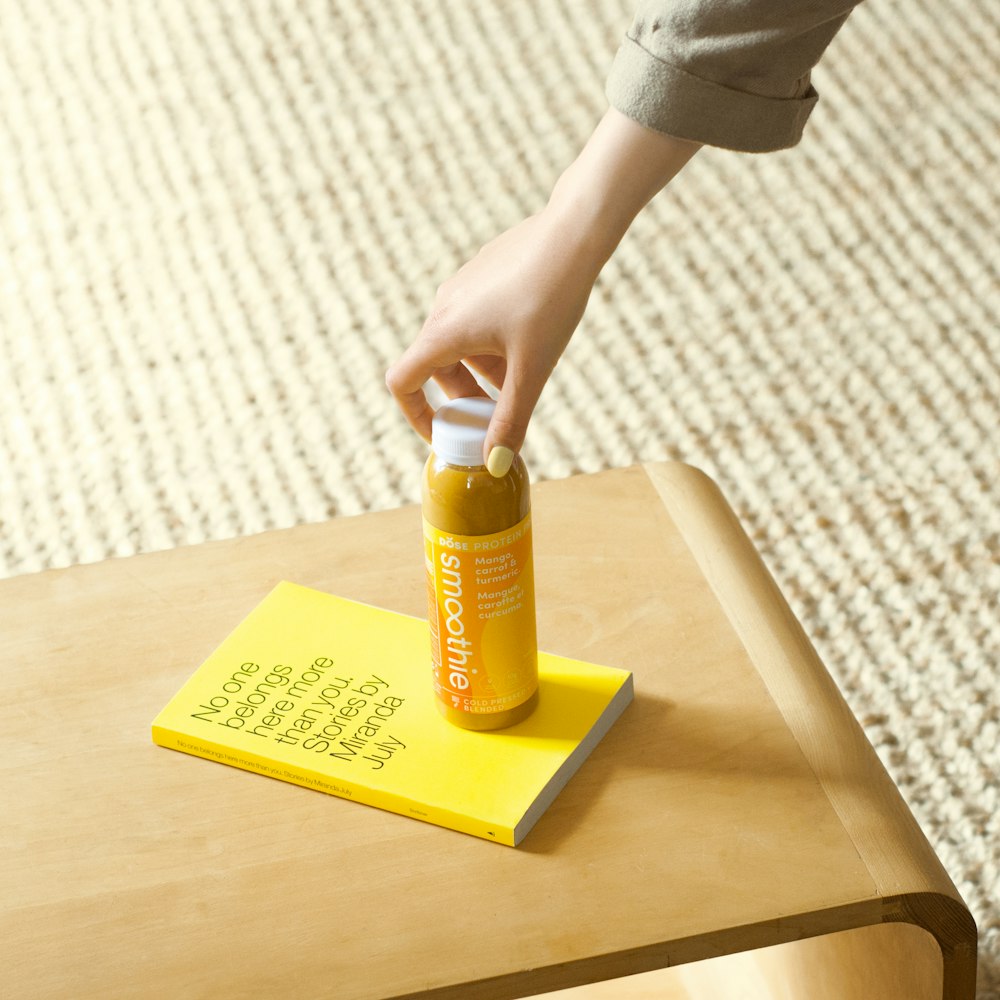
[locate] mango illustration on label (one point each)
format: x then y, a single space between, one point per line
481 607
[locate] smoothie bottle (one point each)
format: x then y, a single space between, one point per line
480 582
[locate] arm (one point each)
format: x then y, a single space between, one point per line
511 310
731 73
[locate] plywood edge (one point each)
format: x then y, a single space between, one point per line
948 919
873 813
679 952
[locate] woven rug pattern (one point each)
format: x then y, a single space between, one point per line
221 221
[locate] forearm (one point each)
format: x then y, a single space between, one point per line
622 166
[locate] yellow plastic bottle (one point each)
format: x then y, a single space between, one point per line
480 577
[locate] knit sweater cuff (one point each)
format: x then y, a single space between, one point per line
663 97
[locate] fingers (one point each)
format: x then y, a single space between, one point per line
418 412
405 380
510 419
520 388
440 358
456 380
492 367
435 357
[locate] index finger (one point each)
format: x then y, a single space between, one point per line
405 380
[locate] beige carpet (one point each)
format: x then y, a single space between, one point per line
220 220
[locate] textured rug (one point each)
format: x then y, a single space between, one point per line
221 221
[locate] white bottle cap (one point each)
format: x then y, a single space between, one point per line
458 431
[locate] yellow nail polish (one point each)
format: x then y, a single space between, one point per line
500 460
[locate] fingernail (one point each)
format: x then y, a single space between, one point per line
499 462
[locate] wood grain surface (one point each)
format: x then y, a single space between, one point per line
735 806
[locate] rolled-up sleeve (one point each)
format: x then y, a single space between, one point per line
729 73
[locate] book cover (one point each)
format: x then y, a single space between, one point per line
336 695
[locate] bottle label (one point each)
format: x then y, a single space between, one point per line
481 607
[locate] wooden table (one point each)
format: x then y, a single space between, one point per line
735 806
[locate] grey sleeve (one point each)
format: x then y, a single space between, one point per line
730 73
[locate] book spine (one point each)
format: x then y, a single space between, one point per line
171 739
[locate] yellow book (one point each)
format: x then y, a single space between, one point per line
336 695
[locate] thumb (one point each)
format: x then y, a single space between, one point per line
509 424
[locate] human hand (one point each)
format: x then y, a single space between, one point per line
509 313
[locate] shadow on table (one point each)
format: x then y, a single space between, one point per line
695 743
